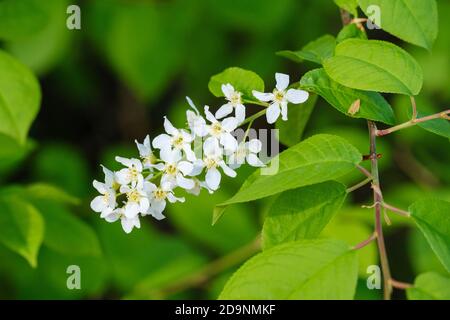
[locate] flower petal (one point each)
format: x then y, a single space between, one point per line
282 81
296 96
254 145
240 113
185 167
284 111
253 160
161 141
209 115
99 186
98 204
169 128
224 110
261 96
227 90
273 112
229 124
184 183
212 178
227 170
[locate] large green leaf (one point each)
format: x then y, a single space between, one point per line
430 286
21 228
317 159
302 213
349 5
372 104
19 98
291 131
44 48
19 19
351 31
440 127
419 19
315 51
432 216
307 269
242 80
374 65
65 233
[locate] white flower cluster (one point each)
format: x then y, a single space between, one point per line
169 162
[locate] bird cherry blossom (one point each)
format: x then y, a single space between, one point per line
247 151
280 97
168 163
221 130
178 139
234 99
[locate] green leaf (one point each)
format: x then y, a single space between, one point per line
302 213
317 159
291 131
65 233
351 31
349 5
44 48
19 19
19 98
430 286
307 269
433 219
352 231
315 51
419 19
242 80
372 104
440 127
374 65
48 192
21 228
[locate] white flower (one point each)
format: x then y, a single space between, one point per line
127 223
145 152
158 196
131 174
279 98
196 123
137 200
221 130
106 202
197 187
247 151
213 158
174 169
234 102
178 139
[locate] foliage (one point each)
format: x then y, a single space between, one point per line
70 99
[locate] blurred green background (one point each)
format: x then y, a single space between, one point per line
133 62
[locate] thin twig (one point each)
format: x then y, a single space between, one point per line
364 171
414 108
401 285
396 210
441 115
359 185
365 242
378 224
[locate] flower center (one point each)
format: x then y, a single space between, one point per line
235 98
150 159
279 95
133 196
216 129
133 172
171 169
159 194
178 141
210 163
